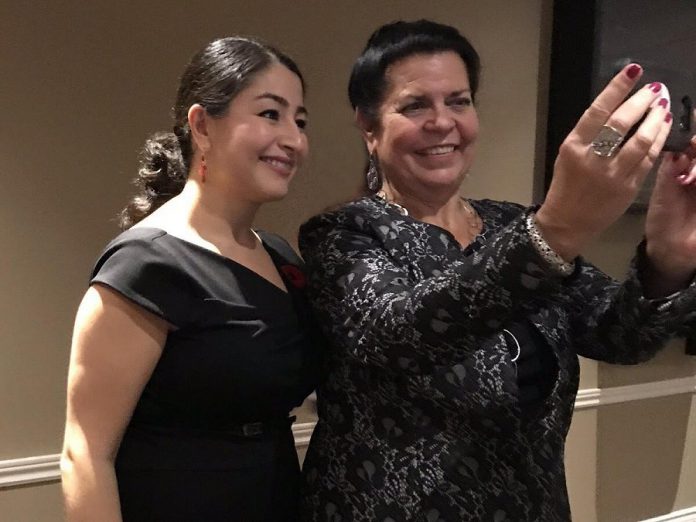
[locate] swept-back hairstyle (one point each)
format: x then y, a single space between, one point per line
213 77
398 40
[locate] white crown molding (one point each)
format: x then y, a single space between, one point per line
683 515
46 468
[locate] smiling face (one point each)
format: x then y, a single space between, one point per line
427 125
255 149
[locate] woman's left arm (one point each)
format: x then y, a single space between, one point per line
670 228
619 322
628 323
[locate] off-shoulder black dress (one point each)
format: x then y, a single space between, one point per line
210 438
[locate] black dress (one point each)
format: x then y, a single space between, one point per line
210 438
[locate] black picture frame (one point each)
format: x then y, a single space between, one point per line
594 39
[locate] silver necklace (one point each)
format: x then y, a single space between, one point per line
383 196
474 221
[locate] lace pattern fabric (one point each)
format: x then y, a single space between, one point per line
419 414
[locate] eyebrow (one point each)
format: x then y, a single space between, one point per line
281 101
423 97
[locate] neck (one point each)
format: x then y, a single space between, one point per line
216 216
445 210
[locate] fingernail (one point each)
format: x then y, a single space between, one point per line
665 94
633 70
668 117
655 87
663 103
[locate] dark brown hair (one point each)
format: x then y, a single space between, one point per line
213 77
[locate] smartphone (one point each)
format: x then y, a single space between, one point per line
683 125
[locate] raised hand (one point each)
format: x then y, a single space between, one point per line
670 227
592 185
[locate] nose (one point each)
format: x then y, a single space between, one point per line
440 120
292 138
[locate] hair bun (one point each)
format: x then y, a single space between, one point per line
161 176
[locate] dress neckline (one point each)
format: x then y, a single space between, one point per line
475 241
228 260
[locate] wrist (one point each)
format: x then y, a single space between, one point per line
549 255
563 239
665 270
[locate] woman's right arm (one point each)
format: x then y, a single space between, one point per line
382 315
116 345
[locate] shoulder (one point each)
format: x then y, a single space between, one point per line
359 215
137 245
503 207
137 236
499 212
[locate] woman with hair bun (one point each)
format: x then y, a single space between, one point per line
193 341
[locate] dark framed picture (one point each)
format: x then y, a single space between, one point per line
593 39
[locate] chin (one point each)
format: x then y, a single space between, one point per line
444 179
270 194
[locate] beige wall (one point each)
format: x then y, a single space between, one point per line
83 83
646 461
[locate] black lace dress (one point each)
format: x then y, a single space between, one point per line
424 415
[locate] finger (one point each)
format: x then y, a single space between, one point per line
667 175
633 109
606 102
689 176
649 138
674 170
691 149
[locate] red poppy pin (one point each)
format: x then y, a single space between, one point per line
294 275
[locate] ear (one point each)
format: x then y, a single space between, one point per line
198 123
367 129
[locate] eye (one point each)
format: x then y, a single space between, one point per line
460 102
270 114
301 123
412 107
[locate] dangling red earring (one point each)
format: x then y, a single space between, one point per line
202 169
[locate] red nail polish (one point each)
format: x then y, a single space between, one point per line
633 70
668 117
663 103
655 87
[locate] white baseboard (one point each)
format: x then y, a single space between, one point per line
683 515
41 468
46 468
594 397
302 433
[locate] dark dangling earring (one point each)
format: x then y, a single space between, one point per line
202 169
373 178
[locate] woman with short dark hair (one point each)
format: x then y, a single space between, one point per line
454 325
